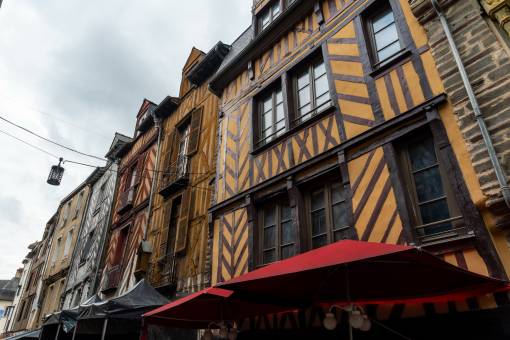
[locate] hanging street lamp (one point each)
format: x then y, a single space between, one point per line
56 173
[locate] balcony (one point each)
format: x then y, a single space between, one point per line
162 274
175 177
126 199
113 276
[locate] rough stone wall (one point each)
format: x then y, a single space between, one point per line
488 66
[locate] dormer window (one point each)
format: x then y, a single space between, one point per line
269 15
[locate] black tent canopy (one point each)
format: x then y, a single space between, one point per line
118 318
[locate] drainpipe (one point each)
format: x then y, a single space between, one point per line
500 174
157 123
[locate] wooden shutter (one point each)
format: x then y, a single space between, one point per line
140 167
182 226
163 239
194 137
166 156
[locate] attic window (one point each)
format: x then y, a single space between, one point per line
268 15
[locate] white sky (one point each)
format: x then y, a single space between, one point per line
76 72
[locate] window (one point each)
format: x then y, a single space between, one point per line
182 157
382 34
78 205
328 216
433 208
311 90
271 116
269 15
121 245
69 240
56 251
277 238
172 228
67 212
86 247
101 196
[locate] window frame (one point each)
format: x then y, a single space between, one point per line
367 19
308 64
458 227
272 91
269 8
277 205
326 186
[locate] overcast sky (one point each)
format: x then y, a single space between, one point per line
77 71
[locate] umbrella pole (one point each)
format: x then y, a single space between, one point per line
350 332
58 331
105 325
75 331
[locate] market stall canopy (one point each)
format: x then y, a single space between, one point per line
363 273
26 336
200 309
141 297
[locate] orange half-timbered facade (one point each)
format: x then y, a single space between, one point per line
136 157
335 125
179 225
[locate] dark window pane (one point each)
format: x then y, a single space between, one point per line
269 237
434 211
288 251
318 199
269 256
428 184
422 154
340 235
288 235
319 222
319 241
286 212
269 216
337 193
339 216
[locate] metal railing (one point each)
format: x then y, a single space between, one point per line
163 272
113 277
176 171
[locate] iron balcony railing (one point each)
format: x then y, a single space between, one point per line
177 172
113 276
163 272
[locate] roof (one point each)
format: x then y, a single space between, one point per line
251 46
118 143
209 64
237 47
167 106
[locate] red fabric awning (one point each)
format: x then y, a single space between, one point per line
342 273
200 309
362 272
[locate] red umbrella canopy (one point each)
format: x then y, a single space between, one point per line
360 272
200 310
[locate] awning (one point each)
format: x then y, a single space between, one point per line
201 309
26 335
364 273
346 272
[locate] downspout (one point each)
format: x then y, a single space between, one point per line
500 174
82 222
157 123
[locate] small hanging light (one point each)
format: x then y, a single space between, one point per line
56 173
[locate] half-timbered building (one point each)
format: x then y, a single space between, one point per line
83 274
130 206
335 125
178 227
